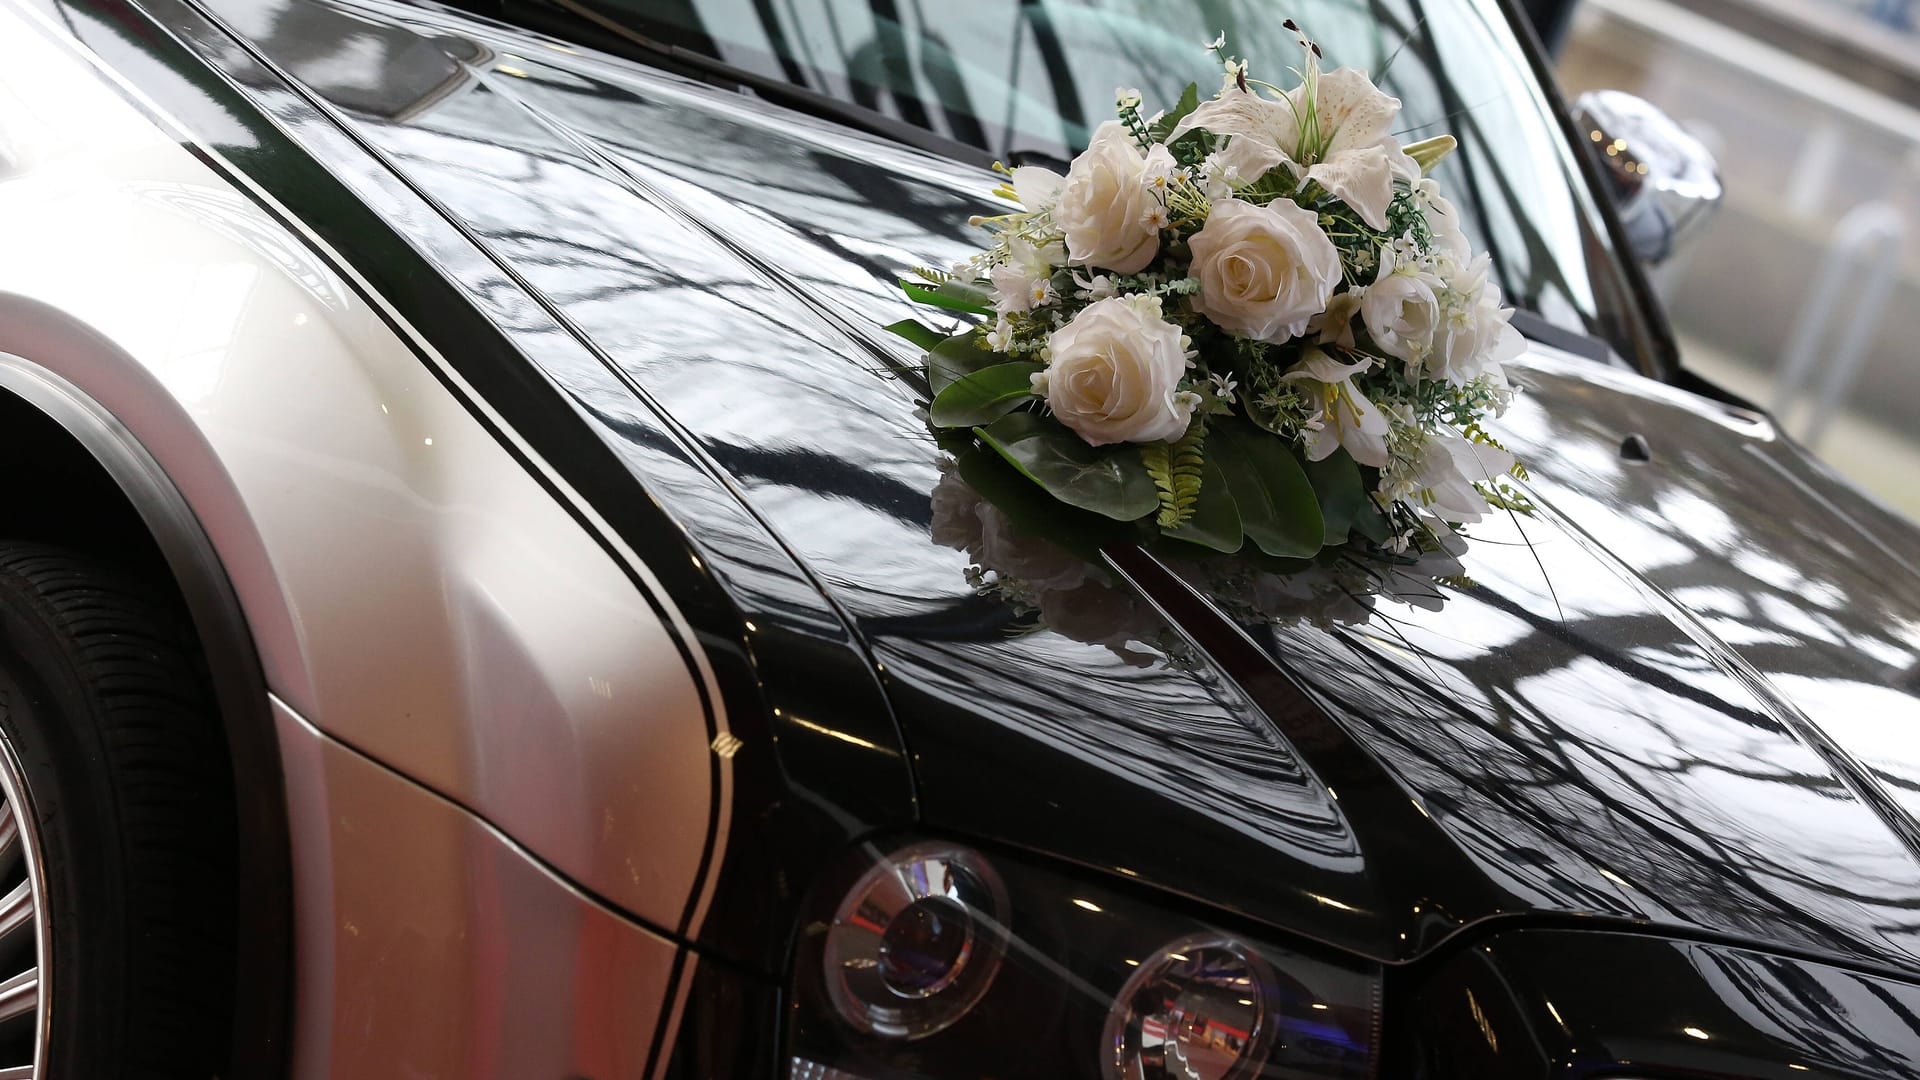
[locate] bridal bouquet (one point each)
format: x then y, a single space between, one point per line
1247 319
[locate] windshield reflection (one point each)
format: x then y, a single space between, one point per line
1027 81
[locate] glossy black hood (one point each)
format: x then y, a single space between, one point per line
1683 693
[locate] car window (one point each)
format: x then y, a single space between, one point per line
1028 80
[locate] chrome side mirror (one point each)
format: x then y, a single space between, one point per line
1663 181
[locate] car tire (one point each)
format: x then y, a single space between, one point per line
110 735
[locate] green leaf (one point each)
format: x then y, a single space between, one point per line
1189 101
1108 480
1278 508
1371 523
956 357
917 332
1216 520
1336 481
1032 511
1190 145
983 396
952 295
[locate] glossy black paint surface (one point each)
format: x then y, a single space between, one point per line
1536 1003
1679 697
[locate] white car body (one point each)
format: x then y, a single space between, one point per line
470 689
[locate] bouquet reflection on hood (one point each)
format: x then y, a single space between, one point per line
1041 580
1083 600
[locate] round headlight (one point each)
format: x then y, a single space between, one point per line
1198 1010
916 941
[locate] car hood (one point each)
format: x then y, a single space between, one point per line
1681 692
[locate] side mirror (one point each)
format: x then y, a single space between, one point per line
1663 181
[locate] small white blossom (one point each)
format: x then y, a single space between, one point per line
1160 168
1025 279
1000 338
1097 287
1127 97
1219 42
1156 217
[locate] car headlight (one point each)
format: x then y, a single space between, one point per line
915 942
932 960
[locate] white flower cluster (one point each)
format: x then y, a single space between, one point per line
1279 241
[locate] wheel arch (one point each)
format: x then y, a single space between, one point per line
56 371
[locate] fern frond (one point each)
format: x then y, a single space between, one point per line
932 274
1503 496
1188 460
1159 465
1176 468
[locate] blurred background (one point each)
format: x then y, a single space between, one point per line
1805 285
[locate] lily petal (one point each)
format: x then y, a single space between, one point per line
1321 442
1363 179
1318 366
1357 112
1035 187
1243 112
1252 157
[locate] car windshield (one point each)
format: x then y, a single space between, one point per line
1028 80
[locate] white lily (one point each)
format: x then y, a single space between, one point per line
1035 187
1346 417
1448 468
1346 146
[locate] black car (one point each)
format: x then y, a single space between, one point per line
481 597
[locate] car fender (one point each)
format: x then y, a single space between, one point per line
414 589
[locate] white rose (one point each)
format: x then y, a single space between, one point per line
1103 207
1264 270
1401 309
1113 373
